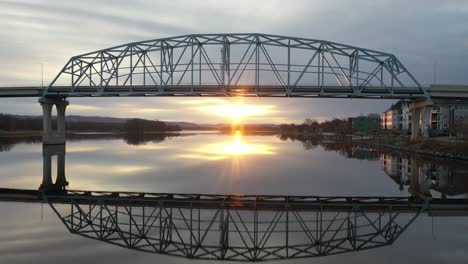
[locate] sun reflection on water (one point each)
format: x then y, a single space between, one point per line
234 148
237 147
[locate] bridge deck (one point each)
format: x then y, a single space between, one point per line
435 91
243 202
210 90
25 91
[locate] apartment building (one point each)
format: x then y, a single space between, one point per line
397 117
446 118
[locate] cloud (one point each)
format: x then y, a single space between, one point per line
419 32
146 110
237 111
84 108
202 101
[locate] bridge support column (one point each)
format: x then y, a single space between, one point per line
49 151
414 178
424 180
420 118
415 116
49 136
425 121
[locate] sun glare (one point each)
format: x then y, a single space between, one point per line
238 111
237 147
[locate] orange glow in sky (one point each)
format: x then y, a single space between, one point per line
238 110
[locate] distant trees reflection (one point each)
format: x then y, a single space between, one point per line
7 143
142 138
339 145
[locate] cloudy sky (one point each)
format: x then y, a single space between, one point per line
48 32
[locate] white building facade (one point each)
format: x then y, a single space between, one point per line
446 118
397 117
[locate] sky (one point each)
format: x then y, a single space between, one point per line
426 35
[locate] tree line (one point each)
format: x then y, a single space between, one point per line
135 125
309 126
12 123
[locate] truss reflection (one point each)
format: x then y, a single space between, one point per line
241 228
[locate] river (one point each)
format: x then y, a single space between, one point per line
216 163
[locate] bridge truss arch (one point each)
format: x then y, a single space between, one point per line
247 64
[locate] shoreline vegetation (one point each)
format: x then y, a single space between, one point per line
443 148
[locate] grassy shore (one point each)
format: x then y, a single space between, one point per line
435 147
430 147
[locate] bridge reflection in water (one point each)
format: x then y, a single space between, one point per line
229 227
237 227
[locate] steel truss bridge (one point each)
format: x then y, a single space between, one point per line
246 64
236 227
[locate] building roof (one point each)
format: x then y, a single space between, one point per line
396 106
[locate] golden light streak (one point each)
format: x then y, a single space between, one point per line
80 149
81 107
150 147
114 170
231 149
238 110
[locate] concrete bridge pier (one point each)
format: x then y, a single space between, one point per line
419 179
49 135
426 121
49 151
415 116
420 118
424 179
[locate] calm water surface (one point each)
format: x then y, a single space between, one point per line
214 163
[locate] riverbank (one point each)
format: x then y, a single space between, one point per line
432 147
